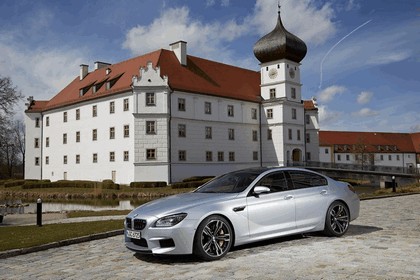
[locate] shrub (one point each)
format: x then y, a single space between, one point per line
14 183
37 184
148 184
182 185
73 184
197 179
188 183
109 184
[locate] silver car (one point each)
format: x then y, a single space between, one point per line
242 207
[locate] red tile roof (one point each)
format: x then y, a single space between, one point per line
38 106
200 75
402 141
415 137
309 105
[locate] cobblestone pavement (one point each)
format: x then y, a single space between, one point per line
383 243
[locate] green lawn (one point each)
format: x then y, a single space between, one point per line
78 214
18 237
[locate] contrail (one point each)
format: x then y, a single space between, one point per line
342 39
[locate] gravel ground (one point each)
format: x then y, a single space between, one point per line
383 243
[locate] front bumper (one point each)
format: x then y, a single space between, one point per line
174 240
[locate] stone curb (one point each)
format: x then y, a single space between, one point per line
389 196
17 252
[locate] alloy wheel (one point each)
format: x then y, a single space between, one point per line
216 238
339 219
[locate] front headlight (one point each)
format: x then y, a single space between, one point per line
170 221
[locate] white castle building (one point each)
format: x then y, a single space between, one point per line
166 116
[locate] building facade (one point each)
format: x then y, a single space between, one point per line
371 149
166 116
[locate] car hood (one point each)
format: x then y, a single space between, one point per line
179 203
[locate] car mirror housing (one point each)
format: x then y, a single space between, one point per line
261 189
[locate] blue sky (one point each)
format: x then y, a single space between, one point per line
363 60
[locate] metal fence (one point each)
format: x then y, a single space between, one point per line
353 167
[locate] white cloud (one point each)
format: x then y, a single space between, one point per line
365 112
364 97
352 5
207 39
225 3
372 45
210 3
415 128
210 39
39 73
295 15
328 118
387 57
329 93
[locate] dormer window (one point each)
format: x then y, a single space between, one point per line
85 89
112 82
98 86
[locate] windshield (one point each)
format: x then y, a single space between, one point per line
229 183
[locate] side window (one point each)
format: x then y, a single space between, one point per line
302 179
276 182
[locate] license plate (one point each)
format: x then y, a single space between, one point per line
134 234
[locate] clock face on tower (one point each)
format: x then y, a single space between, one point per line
292 73
272 73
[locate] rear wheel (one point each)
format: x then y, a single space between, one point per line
337 219
213 238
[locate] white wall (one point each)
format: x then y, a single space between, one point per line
33 171
325 154
86 169
195 143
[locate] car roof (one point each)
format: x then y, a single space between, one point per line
267 168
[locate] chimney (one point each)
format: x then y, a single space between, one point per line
84 70
99 65
180 50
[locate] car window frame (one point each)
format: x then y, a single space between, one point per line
311 184
288 187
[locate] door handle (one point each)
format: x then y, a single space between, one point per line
287 197
238 209
323 192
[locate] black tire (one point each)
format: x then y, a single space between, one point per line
337 219
213 238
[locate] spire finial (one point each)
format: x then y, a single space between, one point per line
279 6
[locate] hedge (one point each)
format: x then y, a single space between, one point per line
197 179
157 184
14 183
191 184
106 184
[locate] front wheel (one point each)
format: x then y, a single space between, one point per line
337 219
213 238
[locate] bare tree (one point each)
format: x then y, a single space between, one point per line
362 153
19 137
9 153
9 148
9 97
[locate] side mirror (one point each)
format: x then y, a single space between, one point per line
260 190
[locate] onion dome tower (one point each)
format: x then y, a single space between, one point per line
280 44
280 53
